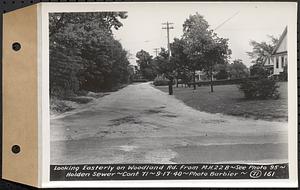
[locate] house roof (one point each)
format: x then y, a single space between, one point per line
280 40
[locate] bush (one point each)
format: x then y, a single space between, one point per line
161 81
259 70
221 75
260 89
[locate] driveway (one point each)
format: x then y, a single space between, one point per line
141 124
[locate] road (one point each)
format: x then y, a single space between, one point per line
141 124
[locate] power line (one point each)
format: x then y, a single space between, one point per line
168 27
226 20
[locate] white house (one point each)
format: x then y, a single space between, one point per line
278 59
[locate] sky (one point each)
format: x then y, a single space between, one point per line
243 22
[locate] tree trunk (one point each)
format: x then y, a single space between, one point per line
194 79
211 78
177 82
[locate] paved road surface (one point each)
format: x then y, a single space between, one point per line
140 124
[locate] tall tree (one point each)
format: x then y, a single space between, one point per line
179 58
217 52
222 71
262 50
84 43
166 68
203 46
197 36
145 63
108 20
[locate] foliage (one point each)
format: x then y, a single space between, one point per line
161 81
203 47
179 58
146 65
222 74
108 20
164 66
262 50
237 69
84 56
262 88
197 37
258 70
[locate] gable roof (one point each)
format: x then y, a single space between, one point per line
280 40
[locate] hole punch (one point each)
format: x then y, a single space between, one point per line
16 149
16 46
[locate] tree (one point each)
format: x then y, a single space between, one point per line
179 58
108 20
262 50
203 46
262 87
197 36
237 69
166 67
83 53
217 52
221 74
145 63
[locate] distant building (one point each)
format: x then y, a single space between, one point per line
276 62
202 76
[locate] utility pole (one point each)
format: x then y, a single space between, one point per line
156 51
168 26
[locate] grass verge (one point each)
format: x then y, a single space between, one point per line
227 99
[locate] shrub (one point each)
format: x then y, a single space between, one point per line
259 70
263 88
222 74
161 81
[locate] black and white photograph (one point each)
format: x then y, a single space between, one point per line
190 83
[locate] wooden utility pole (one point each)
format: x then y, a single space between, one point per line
168 26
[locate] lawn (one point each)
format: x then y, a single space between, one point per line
227 99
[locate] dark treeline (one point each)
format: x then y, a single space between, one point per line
84 56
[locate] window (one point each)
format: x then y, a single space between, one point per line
282 61
277 62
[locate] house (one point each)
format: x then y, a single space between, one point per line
276 62
202 76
